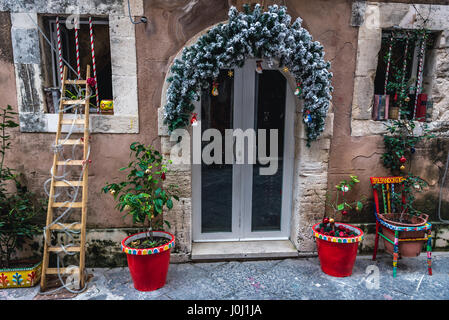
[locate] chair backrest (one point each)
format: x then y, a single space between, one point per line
383 190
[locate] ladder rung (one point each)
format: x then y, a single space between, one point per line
81 101
69 226
66 205
68 249
70 163
71 142
61 270
75 82
71 121
68 183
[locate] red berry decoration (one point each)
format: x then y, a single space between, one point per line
326 220
344 212
91 82
402 159
342 228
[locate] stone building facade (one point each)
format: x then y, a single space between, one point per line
141 56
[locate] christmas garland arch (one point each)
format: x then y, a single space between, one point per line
252 33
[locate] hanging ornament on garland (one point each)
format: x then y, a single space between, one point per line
402 159
215 88
285 69
412 150
259 68
194 120
402 168
298 89
308 117
230 73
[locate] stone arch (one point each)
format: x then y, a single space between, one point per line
252 34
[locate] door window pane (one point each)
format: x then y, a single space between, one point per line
269 114
216 179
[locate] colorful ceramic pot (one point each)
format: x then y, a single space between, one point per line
20 277
415 229
337 255
148 267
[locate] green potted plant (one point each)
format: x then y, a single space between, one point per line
337 242
19 210
144 195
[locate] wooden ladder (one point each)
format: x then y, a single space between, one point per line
80 227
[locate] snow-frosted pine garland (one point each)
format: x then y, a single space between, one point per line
252 34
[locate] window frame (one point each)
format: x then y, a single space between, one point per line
28 66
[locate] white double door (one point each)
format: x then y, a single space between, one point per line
234 201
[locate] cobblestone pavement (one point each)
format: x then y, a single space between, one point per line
287 279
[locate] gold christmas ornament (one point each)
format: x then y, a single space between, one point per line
285 69
407 99
148 171
112 191
331 220
127 208
230 73
402 167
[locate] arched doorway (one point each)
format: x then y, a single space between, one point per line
308 170
236 197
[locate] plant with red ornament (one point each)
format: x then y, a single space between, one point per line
339 203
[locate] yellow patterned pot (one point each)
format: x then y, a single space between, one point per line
20 277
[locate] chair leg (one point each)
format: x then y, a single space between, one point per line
376 241
429 251
395 252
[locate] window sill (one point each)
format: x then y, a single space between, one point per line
48 122
361 128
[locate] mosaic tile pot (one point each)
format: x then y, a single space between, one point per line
337 255
148 267
20 277
417 229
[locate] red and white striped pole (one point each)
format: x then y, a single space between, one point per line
404 69
93 62
419 80
58 35
77 49
387 71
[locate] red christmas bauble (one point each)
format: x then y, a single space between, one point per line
402 159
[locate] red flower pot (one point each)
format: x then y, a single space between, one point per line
148 267
337 255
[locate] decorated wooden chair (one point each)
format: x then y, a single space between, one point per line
384 189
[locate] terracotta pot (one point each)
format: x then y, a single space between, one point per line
406 248
148 267
337 255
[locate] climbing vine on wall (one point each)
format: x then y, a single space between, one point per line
252 34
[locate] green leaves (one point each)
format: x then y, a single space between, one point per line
338 201
143 194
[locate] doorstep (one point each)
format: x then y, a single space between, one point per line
243 249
